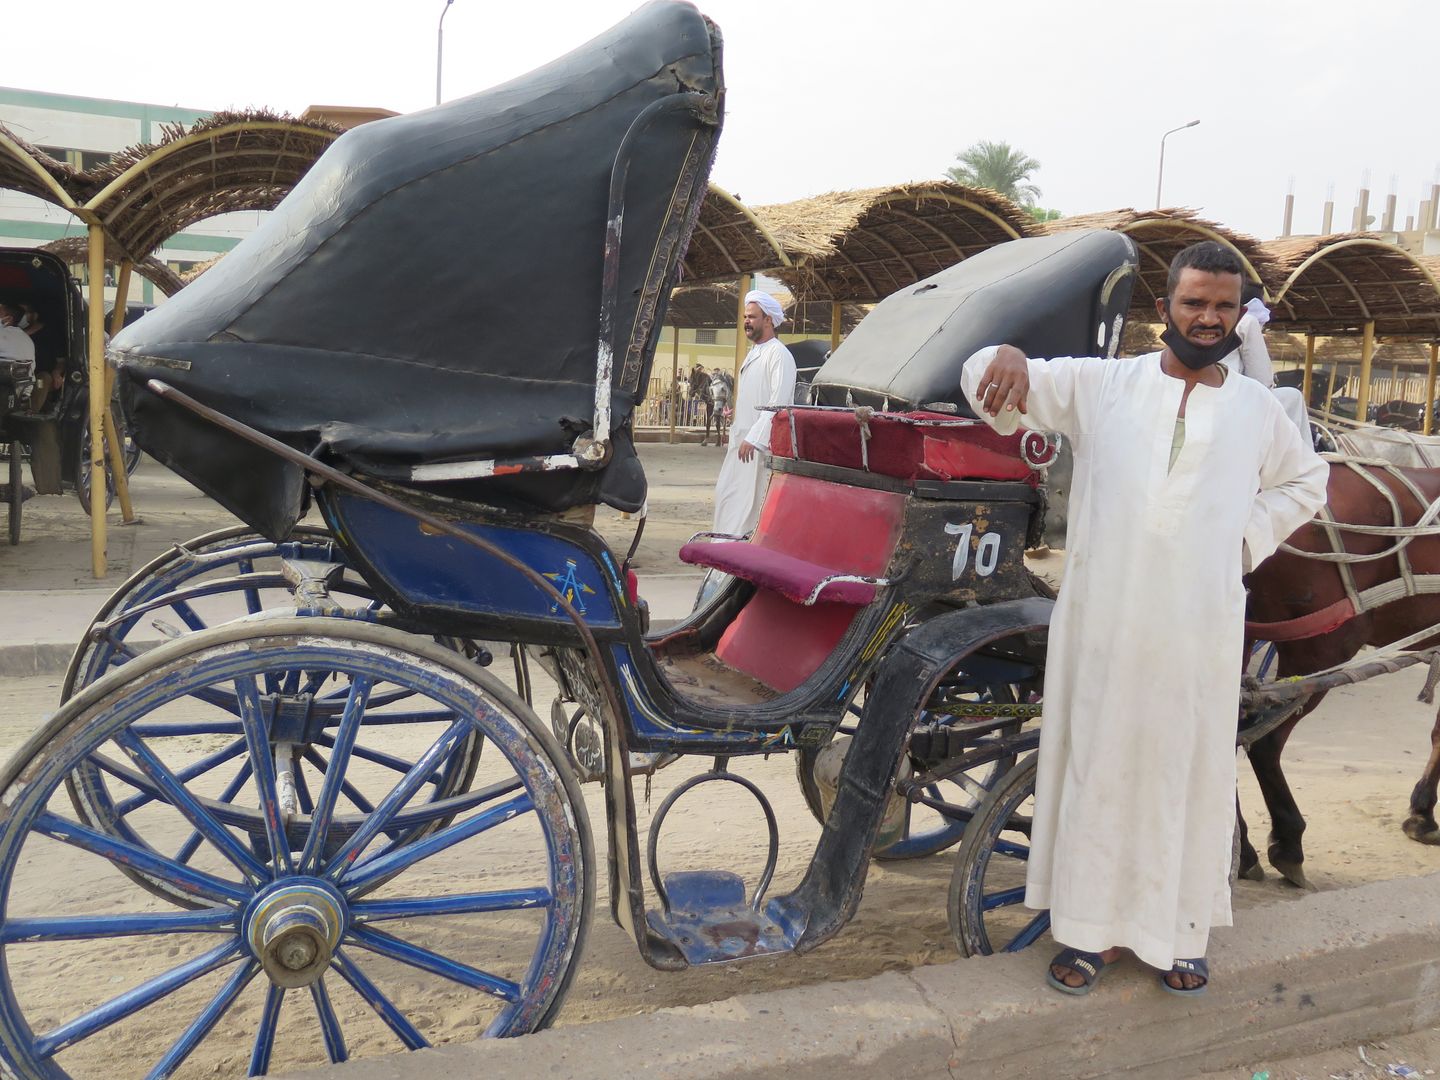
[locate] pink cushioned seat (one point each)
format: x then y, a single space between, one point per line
793 578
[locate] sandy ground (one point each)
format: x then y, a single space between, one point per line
1351 766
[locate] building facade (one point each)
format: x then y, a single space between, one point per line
86 132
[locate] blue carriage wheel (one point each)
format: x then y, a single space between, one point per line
228 573
229 554
987 891
927 829
327 911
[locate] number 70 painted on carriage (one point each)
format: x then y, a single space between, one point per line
987 552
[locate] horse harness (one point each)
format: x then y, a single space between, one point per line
1358 601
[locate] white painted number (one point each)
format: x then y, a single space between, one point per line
987 552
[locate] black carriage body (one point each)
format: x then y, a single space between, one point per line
960 544
449 285
1061 295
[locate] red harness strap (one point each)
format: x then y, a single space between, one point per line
1306 626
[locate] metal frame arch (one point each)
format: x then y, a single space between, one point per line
949 197
1320 253
96 203
1203 230
26 161
746 213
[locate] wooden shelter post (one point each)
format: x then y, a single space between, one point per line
96 336
1309 368
114 446
834 325
740 350
674 379
1430 387
1330 391
1367 354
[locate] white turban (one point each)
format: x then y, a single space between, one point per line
1256 307
768 304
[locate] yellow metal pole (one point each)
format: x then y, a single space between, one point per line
674 380
1362 391
1309 368
740 348
96 333
122 294
113 445
834 325
1430 388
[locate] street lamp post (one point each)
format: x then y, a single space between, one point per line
1160 176
440 48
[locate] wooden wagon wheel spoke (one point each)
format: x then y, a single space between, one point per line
237 783
408 907
179 797
333 784
394 859
147 793
387 945
394 1019
75 927
132 1001
335 1048
203 1024
265 1031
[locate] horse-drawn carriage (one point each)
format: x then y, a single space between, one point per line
55 438
330 794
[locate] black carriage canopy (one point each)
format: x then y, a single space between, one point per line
1062 295
431 291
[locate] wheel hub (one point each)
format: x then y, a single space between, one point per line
294 931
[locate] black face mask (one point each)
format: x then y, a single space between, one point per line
1195 356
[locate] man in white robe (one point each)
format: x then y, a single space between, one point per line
767 377
1252 359
1184 479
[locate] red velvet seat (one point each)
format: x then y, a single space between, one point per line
809 529
899 447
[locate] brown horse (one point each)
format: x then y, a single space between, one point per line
1288 586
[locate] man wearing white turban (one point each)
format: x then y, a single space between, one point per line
767 377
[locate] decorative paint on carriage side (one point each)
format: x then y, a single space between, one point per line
878 640
442 572
570 587
620 591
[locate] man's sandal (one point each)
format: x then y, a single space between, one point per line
1087 965
1199 968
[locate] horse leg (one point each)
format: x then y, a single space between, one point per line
1287 824
1249 867
1420 825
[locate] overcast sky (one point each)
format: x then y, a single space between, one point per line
823 96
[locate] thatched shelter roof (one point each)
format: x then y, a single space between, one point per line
1336 284
76 249
1160 235
716 307
147 193
864 245
728 241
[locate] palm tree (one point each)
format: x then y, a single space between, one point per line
998 166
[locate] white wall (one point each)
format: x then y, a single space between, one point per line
73 130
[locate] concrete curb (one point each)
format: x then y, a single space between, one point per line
37 658
1323 971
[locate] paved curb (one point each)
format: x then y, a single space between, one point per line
1323 971
38 658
